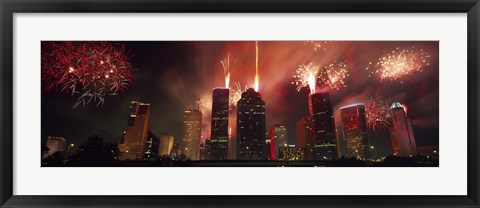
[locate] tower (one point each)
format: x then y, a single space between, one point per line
354 124
219 132
278 139
403 139
251 127
324 136
133 143
192 126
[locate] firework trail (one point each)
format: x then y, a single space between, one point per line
226 70
91 70
305 76
400 63
334 75
257 78
317 45
405 108
377 112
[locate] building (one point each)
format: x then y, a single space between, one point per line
305 136
55 144
205 150
151 147
166 145
270 149
291 152
192 126
251 127
133 143
174 153
219 127
324 136
403 139
277 138
355 135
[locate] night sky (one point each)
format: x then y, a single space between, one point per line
173 75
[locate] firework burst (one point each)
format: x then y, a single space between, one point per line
91 70
305 76
400 63
377 112
318 45
236 94
205 104
334 75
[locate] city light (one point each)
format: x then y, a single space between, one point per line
345 118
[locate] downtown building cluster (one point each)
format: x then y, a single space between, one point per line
317 137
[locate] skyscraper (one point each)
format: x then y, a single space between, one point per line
132 146
354 123
305 136
251 127
219 133
403 139
166 145
152 146
55 144
205 150
325 140
192 126
278 138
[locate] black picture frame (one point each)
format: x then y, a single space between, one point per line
9 7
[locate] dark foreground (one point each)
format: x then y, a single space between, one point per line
388 162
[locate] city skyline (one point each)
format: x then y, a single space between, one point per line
406 90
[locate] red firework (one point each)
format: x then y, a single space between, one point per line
91 70
377 112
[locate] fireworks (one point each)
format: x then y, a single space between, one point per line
305 75
377 112
205 103
257 79
226 70
91 70
400 63
236 94
317 45
333 75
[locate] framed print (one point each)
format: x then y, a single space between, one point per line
261 104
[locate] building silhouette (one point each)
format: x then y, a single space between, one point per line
305 136
55 144
133 143
219 128
174 152
278 138
251 127
403 139
152 147
324 136
354 125
192 126
205 150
